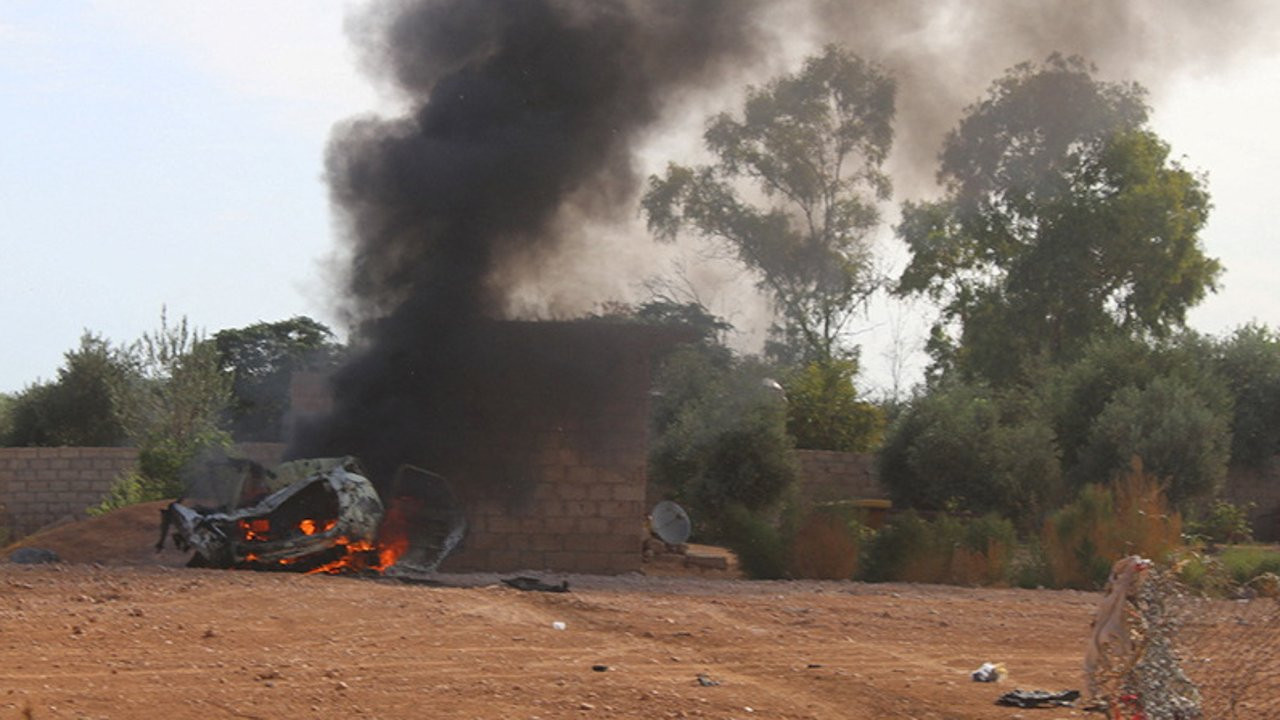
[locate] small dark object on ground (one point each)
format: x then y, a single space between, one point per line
600 668
1038 698
33 556
705 680
530 583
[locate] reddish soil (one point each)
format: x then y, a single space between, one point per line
120 632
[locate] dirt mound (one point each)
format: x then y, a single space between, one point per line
124 537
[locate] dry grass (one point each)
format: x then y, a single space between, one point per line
1104 524
824 548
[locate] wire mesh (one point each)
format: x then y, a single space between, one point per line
1191 657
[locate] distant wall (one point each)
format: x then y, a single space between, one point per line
826 475
40 485
1262 488
44 485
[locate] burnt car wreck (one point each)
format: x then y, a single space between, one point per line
314 516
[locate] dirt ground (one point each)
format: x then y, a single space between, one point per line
137 639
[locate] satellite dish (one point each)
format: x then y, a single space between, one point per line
670 522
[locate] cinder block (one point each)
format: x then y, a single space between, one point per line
561 560
633 492
502 524
544 542
591 525
568 491
530 560
594 562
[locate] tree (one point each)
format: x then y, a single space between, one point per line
7 403
263 358
78 408
720 436
1063 219
812 144
1249 362
823 410
173 404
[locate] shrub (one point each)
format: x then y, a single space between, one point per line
965 447
719 436
1223 522
1243 564
827 544
756 541
129 489
823 410
947 550
1176 432
1103 524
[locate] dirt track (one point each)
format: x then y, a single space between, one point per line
120 642
121 632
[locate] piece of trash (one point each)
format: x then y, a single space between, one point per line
600 668
989 672
532 583
1038 698
705 680
558 625
33 556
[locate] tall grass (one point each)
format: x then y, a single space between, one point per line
827 544
951 550
1130 517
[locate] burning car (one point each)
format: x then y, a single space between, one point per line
314 516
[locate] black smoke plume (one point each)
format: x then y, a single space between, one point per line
519 111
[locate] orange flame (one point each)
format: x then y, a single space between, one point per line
307 526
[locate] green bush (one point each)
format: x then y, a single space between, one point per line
1223 522
1246 562
758 543
1173 429
823 410
967 448
129 489
720 436
950 550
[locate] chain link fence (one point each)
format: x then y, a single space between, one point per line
1184 656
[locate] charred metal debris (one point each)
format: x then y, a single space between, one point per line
314 516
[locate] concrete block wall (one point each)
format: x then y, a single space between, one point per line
827 475
40 485
583 514
568 491
43 485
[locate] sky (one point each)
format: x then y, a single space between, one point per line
169 155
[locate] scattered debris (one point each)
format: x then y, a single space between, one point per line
1038 698
559 625
534 584
990 672
33 556
705 680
